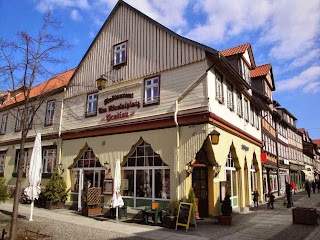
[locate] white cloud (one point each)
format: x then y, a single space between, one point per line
75 15
308 80
43 5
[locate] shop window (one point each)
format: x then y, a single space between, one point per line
231 180
3 126
152 91
145 175
49 113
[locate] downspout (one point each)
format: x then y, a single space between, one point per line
60 128
177 123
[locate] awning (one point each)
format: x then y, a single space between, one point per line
307 173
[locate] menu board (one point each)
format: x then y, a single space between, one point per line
184 215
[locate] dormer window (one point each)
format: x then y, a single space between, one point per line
120 54
245 72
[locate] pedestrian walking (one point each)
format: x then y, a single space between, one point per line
314 185
288 194
255 198
307 187
271 200
318 185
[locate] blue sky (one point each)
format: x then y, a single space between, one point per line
285 33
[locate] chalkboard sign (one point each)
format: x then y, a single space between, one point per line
184 215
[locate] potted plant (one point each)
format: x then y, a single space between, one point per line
226 211
171 210
192 199
55 191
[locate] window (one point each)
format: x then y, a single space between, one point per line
49 113
49 159
230 102
120 54
92 104
231 180
239 104
25 160
146 176
219 88
2 163
18 120
252 117
152 90
245 72
246 110
30 116
3 126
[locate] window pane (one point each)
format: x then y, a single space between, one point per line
128 185
144 183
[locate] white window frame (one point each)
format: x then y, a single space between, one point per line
49 112
234 187
49 155
18 120
92 104
120 54
239 104
3 126
246 109
2 162
152 90
245 72
25 160
30 114
230 102
219 87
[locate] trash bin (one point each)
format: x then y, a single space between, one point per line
304 215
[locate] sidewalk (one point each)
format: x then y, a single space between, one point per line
258 223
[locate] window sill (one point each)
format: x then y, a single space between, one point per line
119 65
150 104
90 114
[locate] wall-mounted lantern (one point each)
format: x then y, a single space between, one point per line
214 135
101 82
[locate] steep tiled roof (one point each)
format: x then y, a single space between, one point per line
54 83
260 70
235 50
317 141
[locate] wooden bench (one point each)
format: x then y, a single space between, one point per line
155 211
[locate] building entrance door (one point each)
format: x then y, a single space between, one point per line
200 187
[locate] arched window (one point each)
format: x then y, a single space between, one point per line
231 180
253 177
145 176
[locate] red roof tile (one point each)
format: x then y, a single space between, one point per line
317 141
56 82
235 50
260 70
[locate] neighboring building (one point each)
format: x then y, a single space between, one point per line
309 156
293 150
262 87
163 97
317 159
47 121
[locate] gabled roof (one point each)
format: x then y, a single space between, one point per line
235 50
55 83
240 50
317 142
260 71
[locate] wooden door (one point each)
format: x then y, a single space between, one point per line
200 187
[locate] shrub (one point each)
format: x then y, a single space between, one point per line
56 188
3 191
172 208
192 199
